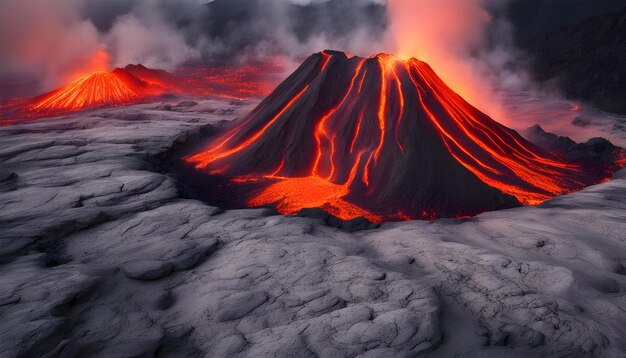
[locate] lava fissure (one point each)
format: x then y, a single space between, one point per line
387 140
320 131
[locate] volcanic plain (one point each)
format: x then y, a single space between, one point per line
105 254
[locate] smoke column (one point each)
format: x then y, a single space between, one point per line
448 35
56 40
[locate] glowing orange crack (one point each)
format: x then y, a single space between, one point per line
290 195
492 153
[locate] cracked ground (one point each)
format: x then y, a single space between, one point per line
102 255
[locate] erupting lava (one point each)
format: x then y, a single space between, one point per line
122 86
95 87
385 139
137 84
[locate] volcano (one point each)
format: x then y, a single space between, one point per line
384 139
95 89
122 86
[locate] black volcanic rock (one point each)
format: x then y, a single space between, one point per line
152 76
403 290
549 141
243 24
586 60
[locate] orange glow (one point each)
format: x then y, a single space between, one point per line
384 67
100 61
401 99
92 86
252 80
361 136
290 195
545 177
320 130
92 90
320 193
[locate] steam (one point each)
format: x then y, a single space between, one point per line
54 41
451 36
144 36
48 39
278 28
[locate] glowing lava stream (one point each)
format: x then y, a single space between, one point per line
387 140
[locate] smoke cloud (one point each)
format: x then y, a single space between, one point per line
463 42
55 41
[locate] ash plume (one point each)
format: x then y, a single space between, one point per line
52 41
55 41
467 42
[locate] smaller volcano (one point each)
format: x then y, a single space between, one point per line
122 86
384 139
93 90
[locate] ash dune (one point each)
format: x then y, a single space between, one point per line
103 257
132 84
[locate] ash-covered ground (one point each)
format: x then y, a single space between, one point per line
102 255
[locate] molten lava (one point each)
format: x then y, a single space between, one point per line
384 139
95 89
251 80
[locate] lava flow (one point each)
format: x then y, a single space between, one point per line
92 90
138 84
384 139
251 80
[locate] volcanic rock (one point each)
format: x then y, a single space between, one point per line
384 139
595 150
528 282
147 270
134 83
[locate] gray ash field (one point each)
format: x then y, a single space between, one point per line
104 256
